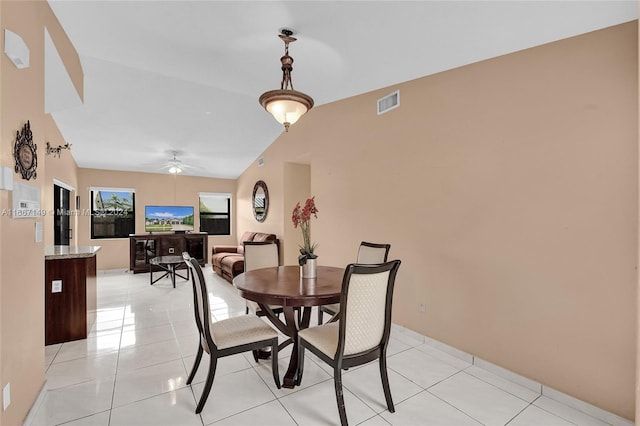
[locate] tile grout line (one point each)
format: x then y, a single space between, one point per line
509 377
554 414
451 405
257 368
496 386
115 376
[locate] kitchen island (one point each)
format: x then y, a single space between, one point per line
70 292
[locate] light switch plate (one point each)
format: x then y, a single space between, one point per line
56 286
39 231
6 396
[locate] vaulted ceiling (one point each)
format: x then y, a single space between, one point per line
185 76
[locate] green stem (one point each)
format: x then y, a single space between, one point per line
306 231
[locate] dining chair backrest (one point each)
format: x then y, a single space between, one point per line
372 253
366 301
235 335
200 301
260 255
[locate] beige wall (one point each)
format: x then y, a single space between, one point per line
296 189
151 189
21 258
509 189
63 169
637 411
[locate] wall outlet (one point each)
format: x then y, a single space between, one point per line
6 396
171 250
422 307
56 286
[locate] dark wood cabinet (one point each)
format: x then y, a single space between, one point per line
144 247
70 296
171 246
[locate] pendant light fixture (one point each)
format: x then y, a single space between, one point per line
286 105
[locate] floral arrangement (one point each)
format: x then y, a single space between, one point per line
302 216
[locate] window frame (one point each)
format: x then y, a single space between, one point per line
228 213
95 213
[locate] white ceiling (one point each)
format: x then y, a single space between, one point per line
186 75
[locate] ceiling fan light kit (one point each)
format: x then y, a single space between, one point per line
175 164
286 104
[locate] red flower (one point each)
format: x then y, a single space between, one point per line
296 215
302 216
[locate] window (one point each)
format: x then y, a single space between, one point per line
112 213
215 214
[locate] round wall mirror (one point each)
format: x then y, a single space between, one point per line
260 201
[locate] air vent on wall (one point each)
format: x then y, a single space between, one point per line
389 102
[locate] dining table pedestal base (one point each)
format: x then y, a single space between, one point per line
283 286
290 327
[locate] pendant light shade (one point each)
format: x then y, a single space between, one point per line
286 104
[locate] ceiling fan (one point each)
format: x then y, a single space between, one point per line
175 166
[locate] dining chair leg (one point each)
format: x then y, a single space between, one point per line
207 386
255 355
320 315
196 364
274 363
385 383
300 362
337 381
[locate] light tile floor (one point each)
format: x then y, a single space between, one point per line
133 368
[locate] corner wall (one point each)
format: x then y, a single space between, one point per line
509 189
21 257
64 169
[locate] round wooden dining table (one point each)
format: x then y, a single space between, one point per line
283 286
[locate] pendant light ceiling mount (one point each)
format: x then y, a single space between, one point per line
286 104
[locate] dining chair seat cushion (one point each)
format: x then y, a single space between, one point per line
323 337
240 330
333 308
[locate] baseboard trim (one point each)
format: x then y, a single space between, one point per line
28 421
113 271
526 382
508 375
455 352
585 407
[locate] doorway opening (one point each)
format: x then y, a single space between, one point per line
61 228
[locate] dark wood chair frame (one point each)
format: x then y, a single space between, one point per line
343 362
276 310
197 279
325 309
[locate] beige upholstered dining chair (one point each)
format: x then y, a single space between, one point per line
361 334
368 254
260 255
227 337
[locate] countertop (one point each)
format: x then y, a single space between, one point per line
69 252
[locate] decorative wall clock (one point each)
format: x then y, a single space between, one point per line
25 153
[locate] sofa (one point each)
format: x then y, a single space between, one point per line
228 261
